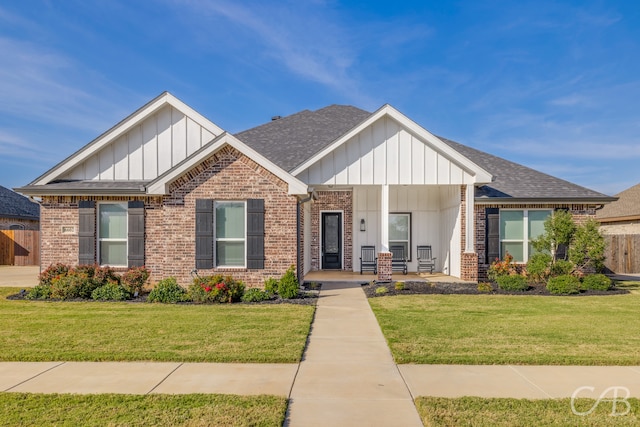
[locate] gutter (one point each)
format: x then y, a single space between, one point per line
523 200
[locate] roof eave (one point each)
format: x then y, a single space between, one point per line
38 190
539 200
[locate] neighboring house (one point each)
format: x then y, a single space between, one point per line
171 190
620 226
17 212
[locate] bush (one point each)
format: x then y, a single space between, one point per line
539 267
596 282
255 295
76 284
512 283
563 285
216 289
271 286
485 287
39 292
105 275
505 267
51 272
381 290
110 292
288 286
168 291
133 279
561 268
399 286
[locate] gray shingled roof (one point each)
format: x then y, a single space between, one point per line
291 140
627 206
14 205
88 187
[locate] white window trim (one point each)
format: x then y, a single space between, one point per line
99 239
408 215
525 232
216 239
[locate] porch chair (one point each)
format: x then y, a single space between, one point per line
368 259
425 260
398 259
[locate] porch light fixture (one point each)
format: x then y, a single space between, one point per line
362 227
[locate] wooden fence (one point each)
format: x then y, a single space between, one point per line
623 253
19 247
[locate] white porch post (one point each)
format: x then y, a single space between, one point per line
469 226
384 218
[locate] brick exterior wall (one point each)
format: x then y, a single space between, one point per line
579 212
27 224
332 201
170 220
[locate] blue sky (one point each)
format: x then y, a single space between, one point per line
551 85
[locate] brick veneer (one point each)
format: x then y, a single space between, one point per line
579 212
385 266
170 220
332 201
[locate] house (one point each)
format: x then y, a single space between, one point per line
169 189
17 212
620 226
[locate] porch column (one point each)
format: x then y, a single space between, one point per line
384 257
470 235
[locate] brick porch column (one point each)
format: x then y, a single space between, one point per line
384 266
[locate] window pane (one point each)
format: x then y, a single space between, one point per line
536 223
511 225
405 245
331 234
230 220
230 254
113 253
515 249
398 227
113 221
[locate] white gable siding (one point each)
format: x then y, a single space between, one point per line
147 150
385 153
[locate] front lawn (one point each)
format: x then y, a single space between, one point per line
134 410
106 331
503 329
477 411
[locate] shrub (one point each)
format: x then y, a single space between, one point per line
597 282
255 295
503 267
381 290
512 283
399 286
587 248
105 275
216 289
288 286
110 292
561 268
539 267
133 279
271 286
485 287
75 284
168 291
52 271
565 284
39 292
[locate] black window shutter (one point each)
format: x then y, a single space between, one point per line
255 233
492 230
87 232
135 255
204 233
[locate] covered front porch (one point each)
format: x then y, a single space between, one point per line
356 277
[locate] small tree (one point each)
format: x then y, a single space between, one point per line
559 229
587 248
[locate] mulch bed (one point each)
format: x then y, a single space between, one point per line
417 288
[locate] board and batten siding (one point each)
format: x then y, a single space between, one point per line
435 221
385 153
146 151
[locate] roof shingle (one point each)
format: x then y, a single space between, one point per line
14 205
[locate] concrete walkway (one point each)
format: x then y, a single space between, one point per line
347 376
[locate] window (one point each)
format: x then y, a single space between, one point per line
400 232
230 236
112 234
517 229
16 227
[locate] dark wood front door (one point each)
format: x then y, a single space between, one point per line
332 241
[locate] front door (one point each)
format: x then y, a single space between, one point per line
331 241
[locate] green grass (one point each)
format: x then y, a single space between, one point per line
477 412
505 329
132 410
92 331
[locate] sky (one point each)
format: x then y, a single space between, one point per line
553 85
